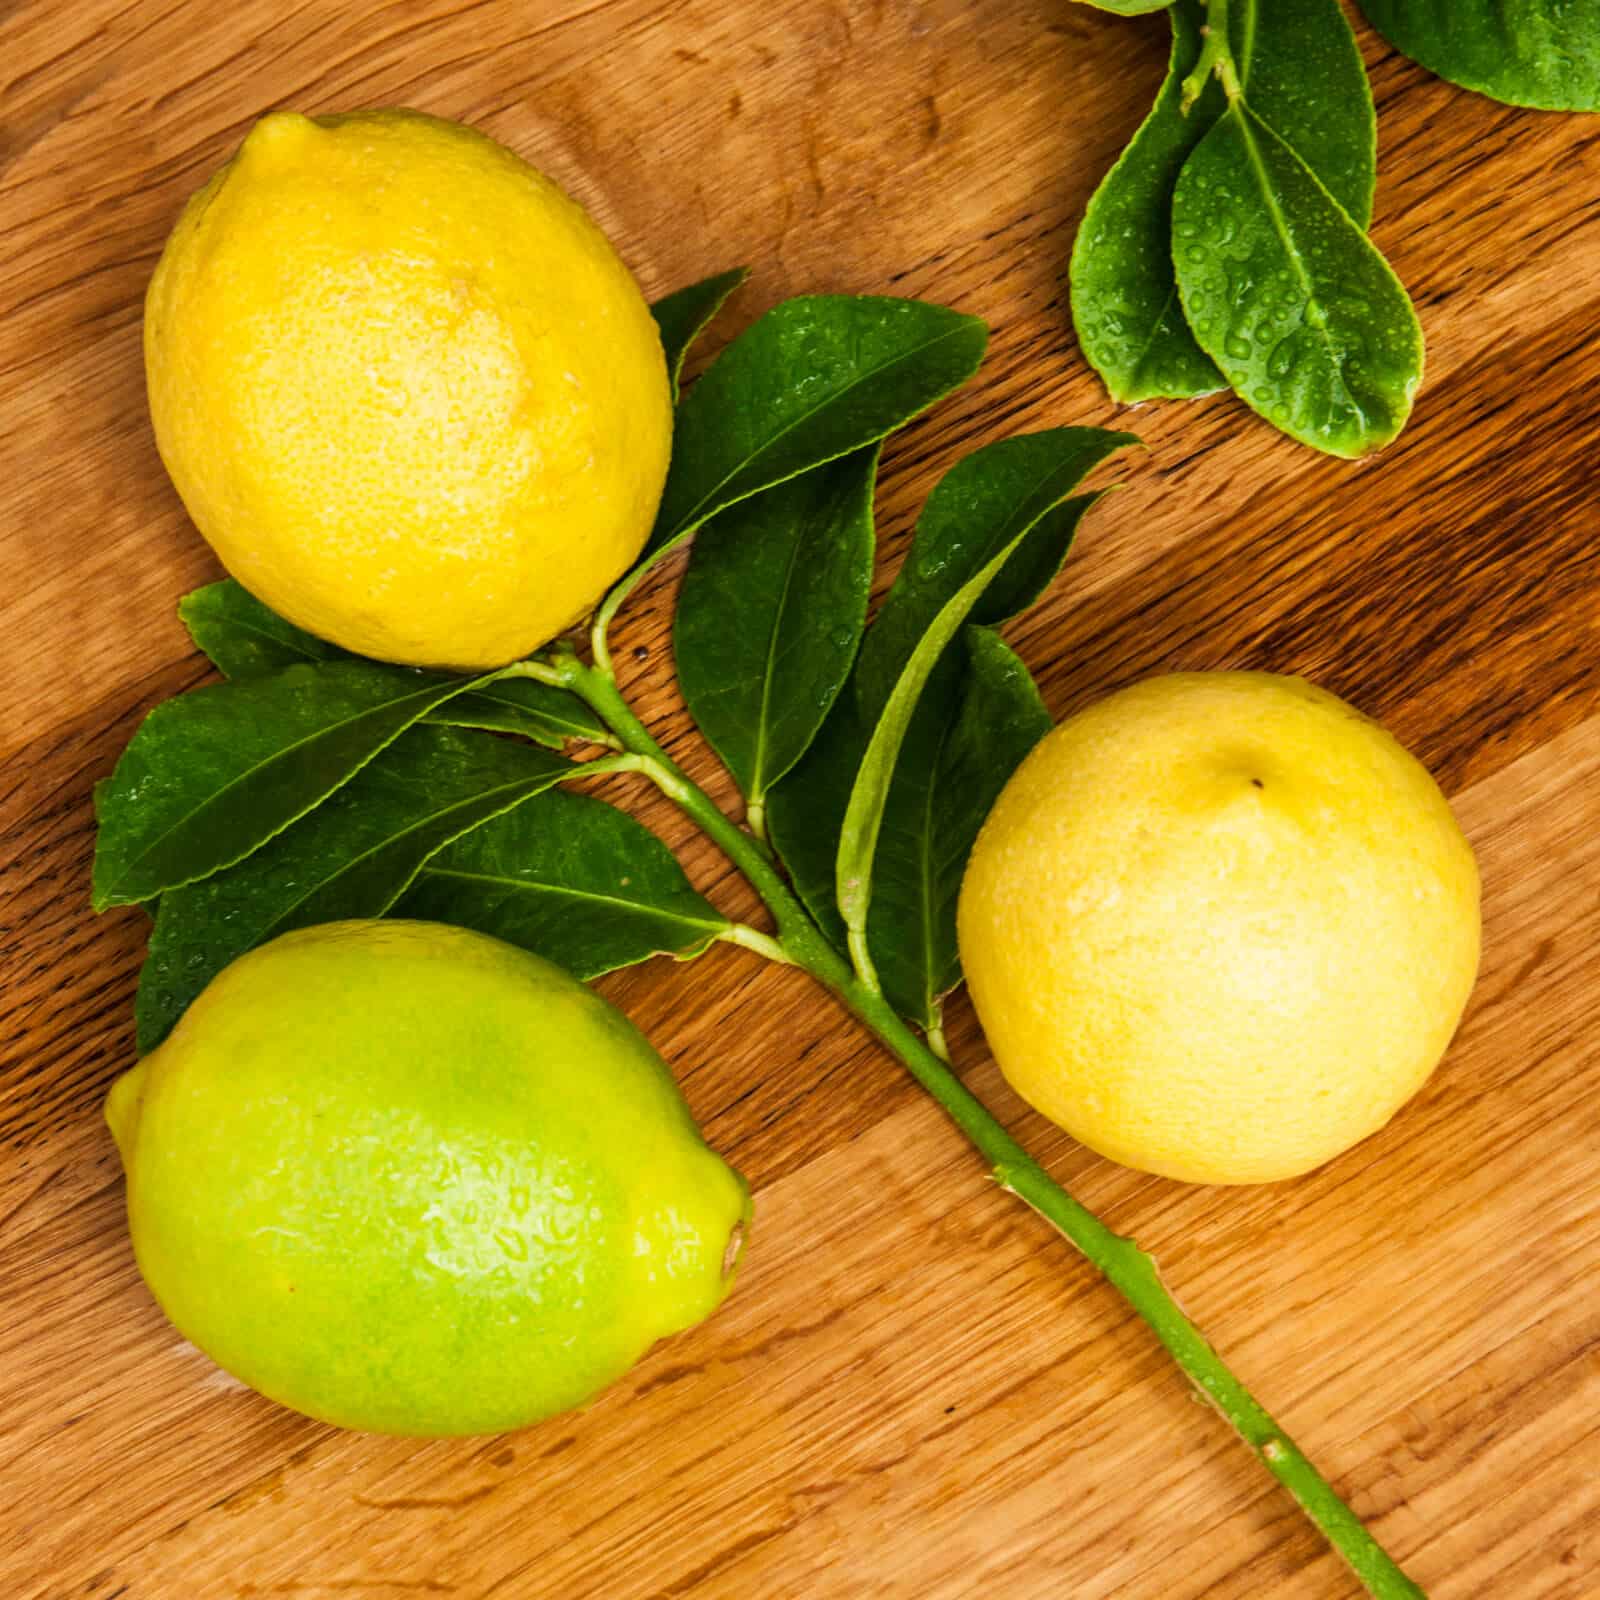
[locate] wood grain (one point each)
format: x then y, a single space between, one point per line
915 1391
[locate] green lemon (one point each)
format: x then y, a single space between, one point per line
406 1178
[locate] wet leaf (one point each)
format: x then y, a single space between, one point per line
1125 304
351 857
1288 296
215 773
1539 53
1300 71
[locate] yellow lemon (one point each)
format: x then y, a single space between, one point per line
406 1178
1220 926
406 388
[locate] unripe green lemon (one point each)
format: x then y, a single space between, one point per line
1220 926
404 1177
405 387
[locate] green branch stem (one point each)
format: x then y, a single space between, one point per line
1128 1268
1216 58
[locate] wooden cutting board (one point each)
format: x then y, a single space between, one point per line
916 1390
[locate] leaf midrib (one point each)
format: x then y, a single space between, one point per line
527 886
1291 250
285 750
757 787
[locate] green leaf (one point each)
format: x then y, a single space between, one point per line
771 613
1124 297
979 507
215 773
1288 296
246 639
944 787
1539 53
814 379
572 879
1300 70
864 814
538 711
351 857
683 315
806 811
1301 73
1011 487
1127 8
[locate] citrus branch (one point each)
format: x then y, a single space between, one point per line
1129 1269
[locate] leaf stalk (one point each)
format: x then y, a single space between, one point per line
1216 59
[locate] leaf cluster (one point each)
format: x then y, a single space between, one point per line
1228 245
313 785
1228 248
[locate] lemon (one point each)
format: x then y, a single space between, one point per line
405 388
1220 926
404 1177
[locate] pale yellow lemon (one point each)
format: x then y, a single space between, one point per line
406 388
1220 926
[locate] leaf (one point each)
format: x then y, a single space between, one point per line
1288 296
1301 72
815 378
684 315
538 711
937 803
864 814
1127 8
806 811
246 639
572 879
771 613
1124 297
1299 69
1011 486
1539 53
977 508
351 857
215 773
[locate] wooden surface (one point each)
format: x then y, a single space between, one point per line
915 1391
